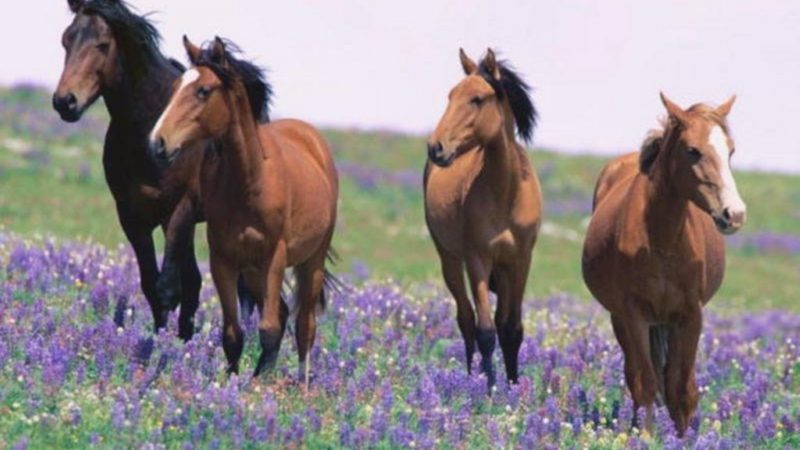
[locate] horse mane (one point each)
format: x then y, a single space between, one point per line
512 86
651 145
654 140
136 36
229 69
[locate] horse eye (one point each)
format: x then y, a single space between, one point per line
203 92
477 101
694 153
103 47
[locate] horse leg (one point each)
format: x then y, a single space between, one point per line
508 318
191 281
679 381
272 324
310 278
486 335
177 232
141 240
633 335
225 275
453 272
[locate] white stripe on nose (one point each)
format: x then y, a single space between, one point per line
188 77
730 198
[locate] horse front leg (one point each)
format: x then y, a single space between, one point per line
225 275
479 269
191 282
679 378
141 239
508 318
453 272
633 335
273 311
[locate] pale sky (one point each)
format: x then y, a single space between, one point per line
597 66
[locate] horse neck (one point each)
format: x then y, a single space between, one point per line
666 208
501 162
243 153
137 103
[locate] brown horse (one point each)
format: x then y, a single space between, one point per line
270 201
654 253
483 205
113 53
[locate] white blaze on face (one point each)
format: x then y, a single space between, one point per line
729 195
189 77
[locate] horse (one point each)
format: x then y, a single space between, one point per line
270 201
113 53
483 205
654 253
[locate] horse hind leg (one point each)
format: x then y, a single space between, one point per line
633 335
453 272
178 237
310 283
681 387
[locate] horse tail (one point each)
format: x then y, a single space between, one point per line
330 282
659 349
247 301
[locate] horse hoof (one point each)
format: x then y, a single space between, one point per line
266 363
186 331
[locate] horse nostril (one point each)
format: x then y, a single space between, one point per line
71 102
158 147
434 150
726 213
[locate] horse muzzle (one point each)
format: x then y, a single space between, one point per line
730 220
67 107
160 154
438 156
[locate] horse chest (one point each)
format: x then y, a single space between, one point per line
666 282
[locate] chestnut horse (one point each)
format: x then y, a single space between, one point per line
270 201
483 205
654 253
113 53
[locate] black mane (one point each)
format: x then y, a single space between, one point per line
230 69
511 85
137 38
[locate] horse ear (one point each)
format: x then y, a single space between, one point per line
192 50
490 60
467 64
673 109
75 5
724 109
218 51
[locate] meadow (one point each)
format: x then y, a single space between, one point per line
78 364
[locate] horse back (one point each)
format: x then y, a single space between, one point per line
616 170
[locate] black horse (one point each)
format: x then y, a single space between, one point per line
114 53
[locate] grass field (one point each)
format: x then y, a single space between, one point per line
51 182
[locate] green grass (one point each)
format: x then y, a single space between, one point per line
384 227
